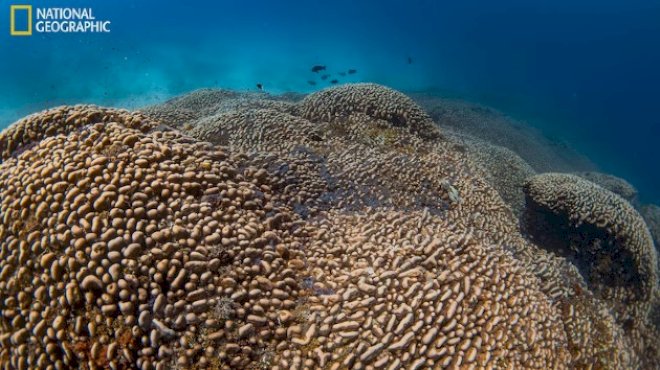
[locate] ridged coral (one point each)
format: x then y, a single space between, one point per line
612 183
603 232
374 100
246 128
61 120
268 240
503 169
182 112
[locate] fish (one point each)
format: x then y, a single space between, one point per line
260 87
342 74
318 68
313 83
410 60
352 71
334 81
325 77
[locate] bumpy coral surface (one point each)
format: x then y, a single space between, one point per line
606 235
340 231
503 169
612 183
180 112
373 100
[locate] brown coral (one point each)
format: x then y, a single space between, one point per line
612 183
503 169
606 235
185 110
374 100
282 243
31 130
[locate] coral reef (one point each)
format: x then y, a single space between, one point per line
182 112
342 230
612 183
29 131
503 169
494 127
605 235
373 100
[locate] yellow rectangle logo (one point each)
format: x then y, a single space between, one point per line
12 26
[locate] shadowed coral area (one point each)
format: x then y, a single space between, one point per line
605 223
342 230
605 237
651 214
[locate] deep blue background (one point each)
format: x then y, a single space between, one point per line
585 71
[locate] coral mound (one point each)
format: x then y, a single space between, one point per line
503 169
603 231
182 111
62 120
612 183
374 100
267 238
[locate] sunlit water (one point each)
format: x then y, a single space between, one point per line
586 73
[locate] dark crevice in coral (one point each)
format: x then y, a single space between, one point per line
599 256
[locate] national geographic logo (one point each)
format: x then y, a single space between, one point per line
54 20
15 11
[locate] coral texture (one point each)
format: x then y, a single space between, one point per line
605 235
373 100
340 232
503 169
612 183
611 230
182 112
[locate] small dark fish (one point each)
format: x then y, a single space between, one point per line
260 87
352 71
334 81
342 74
313 83
325 77
410 60
317 69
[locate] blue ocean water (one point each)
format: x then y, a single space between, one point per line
586 72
